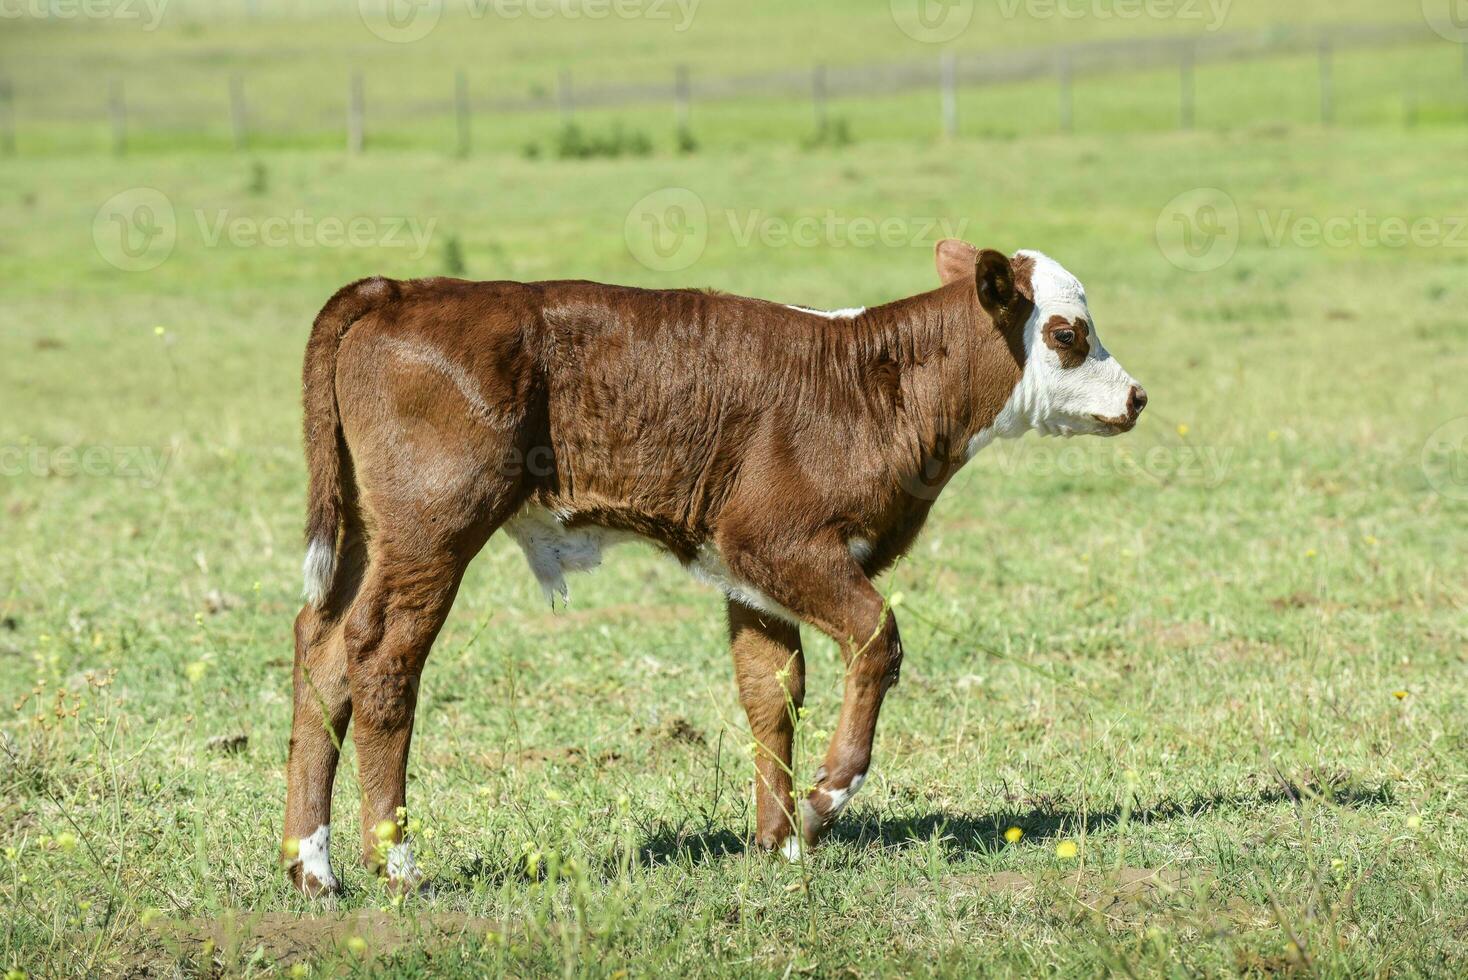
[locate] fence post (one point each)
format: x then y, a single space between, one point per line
1067 96
1327 82
461 111
356 116
117 109
818 96
1189 85
682 96
7 118
565 97
238 119
949 72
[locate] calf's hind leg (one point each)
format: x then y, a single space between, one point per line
770 668
388 634
322 710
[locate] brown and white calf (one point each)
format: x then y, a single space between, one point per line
785 455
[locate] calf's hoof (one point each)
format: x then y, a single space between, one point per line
311 886
405 885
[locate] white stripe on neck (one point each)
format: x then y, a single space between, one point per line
848 314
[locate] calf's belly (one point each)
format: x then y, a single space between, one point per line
554 547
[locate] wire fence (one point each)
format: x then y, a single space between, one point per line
234 112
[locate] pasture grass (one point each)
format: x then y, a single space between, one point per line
1222 657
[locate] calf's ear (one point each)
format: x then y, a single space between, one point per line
995 281
955 260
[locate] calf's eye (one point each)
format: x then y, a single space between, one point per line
1065 337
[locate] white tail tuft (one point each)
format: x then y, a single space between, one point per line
318 569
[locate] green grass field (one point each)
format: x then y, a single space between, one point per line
1222 657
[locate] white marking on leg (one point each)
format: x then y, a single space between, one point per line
400 864
791 850
811 822
838 798
314 857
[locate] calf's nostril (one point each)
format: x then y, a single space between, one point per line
1137 399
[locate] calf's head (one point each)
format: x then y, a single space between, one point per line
1071 385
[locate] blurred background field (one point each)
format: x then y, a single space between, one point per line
266 75
1223 656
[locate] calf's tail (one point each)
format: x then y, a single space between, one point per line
326 448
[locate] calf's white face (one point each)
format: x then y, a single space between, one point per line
1071 384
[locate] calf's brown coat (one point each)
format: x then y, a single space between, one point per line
437 409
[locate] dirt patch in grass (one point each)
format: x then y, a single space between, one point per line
528 758
285 938
677 729
1184 635
1099 890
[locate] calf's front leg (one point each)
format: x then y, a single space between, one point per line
822 584
873 655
